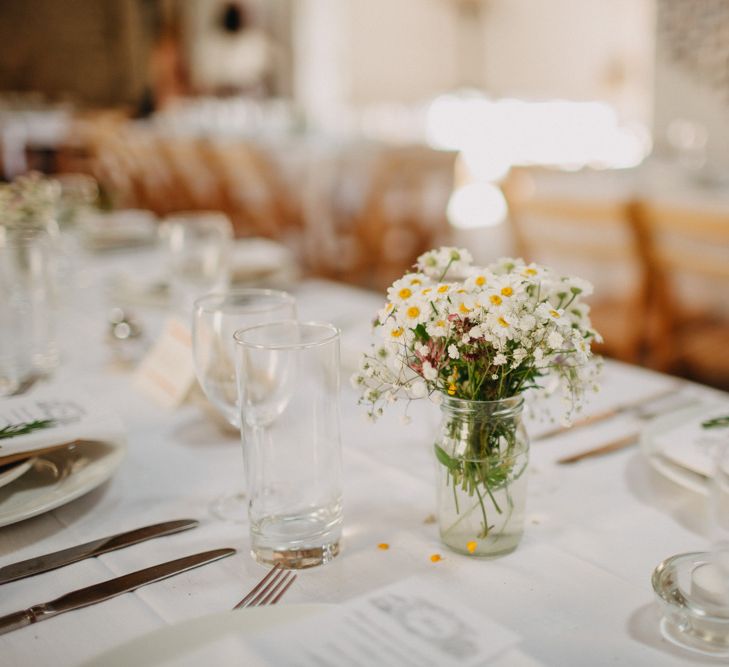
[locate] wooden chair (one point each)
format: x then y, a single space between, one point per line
687 251
404 212
253 192
590 236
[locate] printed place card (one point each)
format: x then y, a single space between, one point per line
167 372
410 623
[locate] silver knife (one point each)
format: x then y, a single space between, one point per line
107 589
27 568
610 412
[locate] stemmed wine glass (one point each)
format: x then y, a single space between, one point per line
198 254
215 318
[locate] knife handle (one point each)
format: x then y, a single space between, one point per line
16 620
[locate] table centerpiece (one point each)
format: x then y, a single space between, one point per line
475 339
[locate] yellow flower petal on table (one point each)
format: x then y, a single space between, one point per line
383 545
471 546
435 558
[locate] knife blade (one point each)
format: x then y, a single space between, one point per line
31 566
106 590
609 413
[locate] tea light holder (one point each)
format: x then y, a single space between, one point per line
693 595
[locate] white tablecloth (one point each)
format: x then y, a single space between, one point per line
577 590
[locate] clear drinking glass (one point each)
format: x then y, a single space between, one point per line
198 255
28 344
216 317
288 379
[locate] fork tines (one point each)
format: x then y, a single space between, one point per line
270 589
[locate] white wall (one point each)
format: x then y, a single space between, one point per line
410 50
574 49
400 50
685 95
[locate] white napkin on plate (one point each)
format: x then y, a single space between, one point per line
76 416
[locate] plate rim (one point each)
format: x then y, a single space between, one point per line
114 458
688 479
219 623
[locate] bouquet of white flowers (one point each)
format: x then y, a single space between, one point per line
478 333
472 338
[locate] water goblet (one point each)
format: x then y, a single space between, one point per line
198 255
215 319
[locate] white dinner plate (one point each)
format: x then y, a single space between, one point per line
11 471
40 490
210 640
656 431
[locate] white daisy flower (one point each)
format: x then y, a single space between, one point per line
453 352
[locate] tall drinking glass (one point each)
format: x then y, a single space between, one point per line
198 255
216 317
288 379
28 344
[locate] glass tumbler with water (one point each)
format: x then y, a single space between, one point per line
28 344
288 378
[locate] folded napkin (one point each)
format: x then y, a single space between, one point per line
688 445
75 416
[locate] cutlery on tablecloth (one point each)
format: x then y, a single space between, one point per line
268 590
612 446
106 590
31 566
637 406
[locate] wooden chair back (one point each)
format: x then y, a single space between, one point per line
593 237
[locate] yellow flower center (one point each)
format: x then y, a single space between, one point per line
464 309
502 322
389 307
495 299
404 293
413 312
461 291
480 281
416 281
442 289
530 272
507 291
440 323
427 290
554 313
396 333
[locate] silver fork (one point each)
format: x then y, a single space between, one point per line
270 589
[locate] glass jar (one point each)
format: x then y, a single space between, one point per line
481 453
